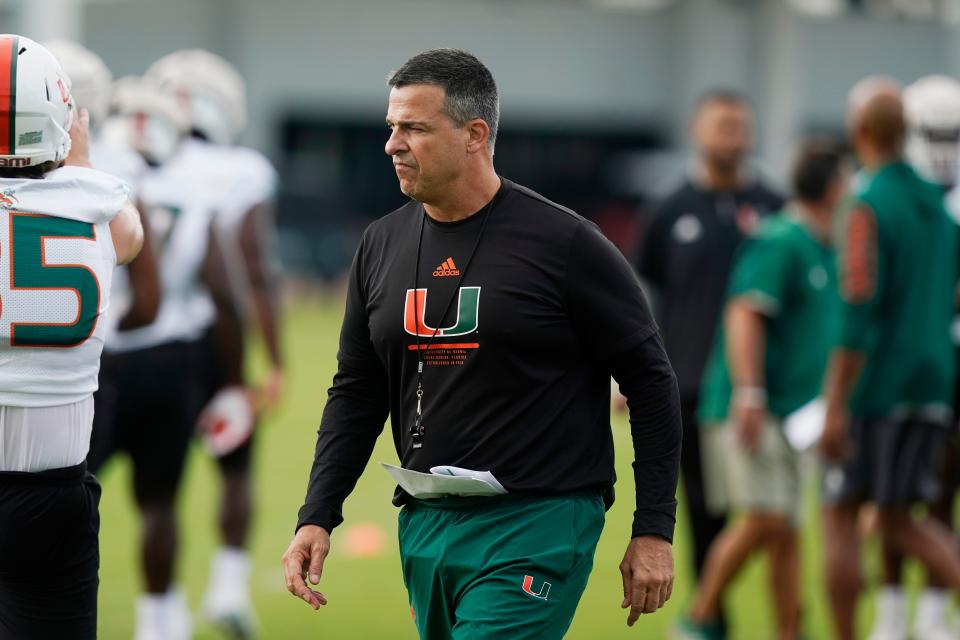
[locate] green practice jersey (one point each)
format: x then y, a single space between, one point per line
789 276
898 273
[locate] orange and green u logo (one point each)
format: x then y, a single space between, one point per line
8 94
468 314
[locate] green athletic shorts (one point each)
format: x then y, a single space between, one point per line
495 568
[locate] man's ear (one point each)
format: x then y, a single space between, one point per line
479 133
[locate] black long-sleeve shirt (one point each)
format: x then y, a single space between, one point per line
517 379
687 255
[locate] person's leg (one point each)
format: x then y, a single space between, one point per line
765 484
912 453
160 406
783 551
227 601
49 527
924 539
726 557
931 618
522 567
705 525
842 565
422 550
236 498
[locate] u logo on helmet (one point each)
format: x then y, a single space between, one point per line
63 91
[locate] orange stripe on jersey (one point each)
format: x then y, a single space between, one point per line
8 94
860 256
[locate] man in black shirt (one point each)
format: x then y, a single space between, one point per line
486 321
686 258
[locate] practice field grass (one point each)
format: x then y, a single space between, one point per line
367 598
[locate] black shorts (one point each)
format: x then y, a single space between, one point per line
49 555
238 460
895 462
147 405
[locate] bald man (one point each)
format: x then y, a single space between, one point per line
890 378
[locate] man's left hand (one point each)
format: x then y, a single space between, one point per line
647 570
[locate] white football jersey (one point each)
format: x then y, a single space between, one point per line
126 164
180 213
237 179
129 166
56 265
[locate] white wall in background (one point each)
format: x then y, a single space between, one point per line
555 61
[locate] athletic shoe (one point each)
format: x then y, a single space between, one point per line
931 621
163 617
891 617
687 629
227 603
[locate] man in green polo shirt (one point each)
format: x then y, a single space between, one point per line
890 380
768 362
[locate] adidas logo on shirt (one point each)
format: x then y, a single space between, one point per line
448 268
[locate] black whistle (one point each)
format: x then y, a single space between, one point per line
416 433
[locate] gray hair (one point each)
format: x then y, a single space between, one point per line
469 89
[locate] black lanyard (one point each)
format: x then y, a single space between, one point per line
417 430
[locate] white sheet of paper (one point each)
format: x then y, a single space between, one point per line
486 476
804 426
435 485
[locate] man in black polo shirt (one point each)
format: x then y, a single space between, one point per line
486 321
686 258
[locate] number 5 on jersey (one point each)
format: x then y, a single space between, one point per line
35 319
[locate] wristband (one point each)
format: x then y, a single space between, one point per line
752 397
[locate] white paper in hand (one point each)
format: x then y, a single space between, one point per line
433 485
804 426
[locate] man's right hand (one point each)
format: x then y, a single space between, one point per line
79 155
749 423
835 443
304 560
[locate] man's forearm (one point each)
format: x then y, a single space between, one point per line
356 410
264 284
843 373
746 338
650 386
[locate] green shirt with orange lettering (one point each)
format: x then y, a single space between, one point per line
898 275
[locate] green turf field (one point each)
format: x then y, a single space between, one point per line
366 594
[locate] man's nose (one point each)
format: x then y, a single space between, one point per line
394 144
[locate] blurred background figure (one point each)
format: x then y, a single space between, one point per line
95 91
686 258
151 381
891 376
767 363
240 185
135 291
932 110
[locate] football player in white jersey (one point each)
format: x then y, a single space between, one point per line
135 296
242 182
152 379
932 110
63 228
